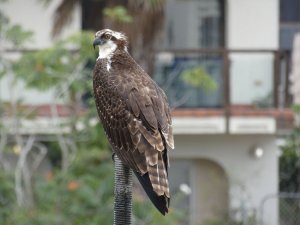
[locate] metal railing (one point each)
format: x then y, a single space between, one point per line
225 60
219 63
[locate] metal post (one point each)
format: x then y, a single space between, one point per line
276 78
226 72
123 193
288 97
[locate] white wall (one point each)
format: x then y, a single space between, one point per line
250 179
253 24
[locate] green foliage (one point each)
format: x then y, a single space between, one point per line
289 166
83 195
118 14
199 78
17 35
146 213
296 109
7 196
13 35
289 162
155 3
264 101
63 63
289 173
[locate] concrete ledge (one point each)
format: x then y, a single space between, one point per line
199 125
40 125
252 125
181 125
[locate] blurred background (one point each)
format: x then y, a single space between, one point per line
231 71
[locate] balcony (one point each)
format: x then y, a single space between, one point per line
251 95
252 89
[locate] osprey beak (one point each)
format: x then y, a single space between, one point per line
98 41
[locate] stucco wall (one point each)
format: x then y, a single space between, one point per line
253 24
250 179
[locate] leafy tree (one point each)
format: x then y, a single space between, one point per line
289 170
198 77
289 175
11 35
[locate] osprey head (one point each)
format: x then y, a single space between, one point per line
108 41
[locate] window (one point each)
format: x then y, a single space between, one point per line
290 11
289 22
194 24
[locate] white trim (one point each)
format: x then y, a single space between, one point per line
252 125
181 125
196 125
39 125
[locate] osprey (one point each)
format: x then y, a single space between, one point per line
135 115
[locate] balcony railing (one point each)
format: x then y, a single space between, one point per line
256 79
249 82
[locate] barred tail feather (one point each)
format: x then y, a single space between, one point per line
158 176
160 202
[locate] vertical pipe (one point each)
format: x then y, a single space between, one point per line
226 68
288 100
123 193
276 78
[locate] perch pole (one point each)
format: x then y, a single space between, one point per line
123 193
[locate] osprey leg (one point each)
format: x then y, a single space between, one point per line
123 193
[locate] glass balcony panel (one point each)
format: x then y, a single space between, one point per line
169 76
251 79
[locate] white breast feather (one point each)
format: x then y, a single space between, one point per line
106 51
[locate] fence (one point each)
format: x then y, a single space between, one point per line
288 209
287 212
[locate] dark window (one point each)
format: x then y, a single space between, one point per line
289 22
290 11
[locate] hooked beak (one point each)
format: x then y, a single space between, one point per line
98 41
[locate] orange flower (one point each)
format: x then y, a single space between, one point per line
39 67
49 175
73 185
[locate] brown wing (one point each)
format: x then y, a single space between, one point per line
136 118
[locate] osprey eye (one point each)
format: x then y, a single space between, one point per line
106 36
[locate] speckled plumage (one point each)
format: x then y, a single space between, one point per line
136 118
